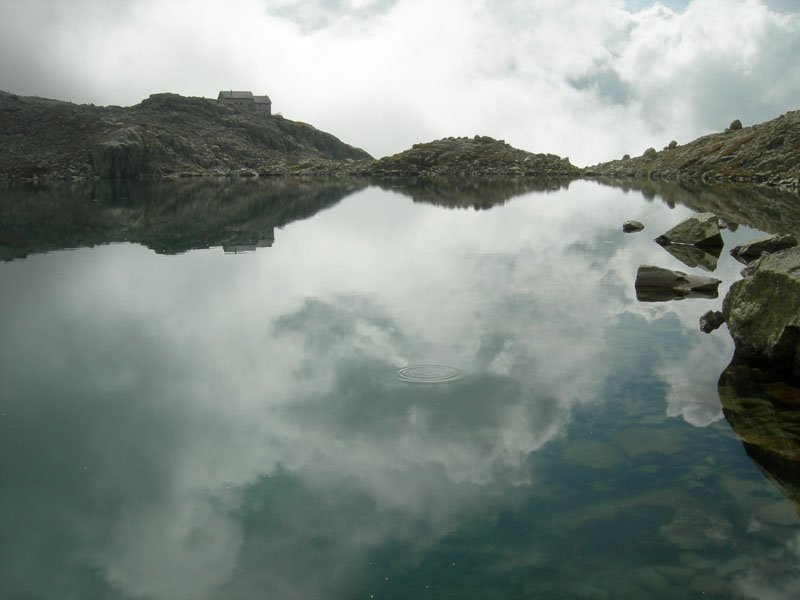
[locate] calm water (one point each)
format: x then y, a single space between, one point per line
214 425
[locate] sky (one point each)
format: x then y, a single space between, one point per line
587 79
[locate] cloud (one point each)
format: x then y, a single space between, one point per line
587 79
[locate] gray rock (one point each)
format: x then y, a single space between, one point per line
735 125
747 252
654 284
712 320
701 229
763 311
632 226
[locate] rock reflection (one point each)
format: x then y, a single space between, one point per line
692 256
763 408
767 209
167 216
479 193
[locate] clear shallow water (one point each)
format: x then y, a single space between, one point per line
213 425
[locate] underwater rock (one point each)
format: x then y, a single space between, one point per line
655 284
693 529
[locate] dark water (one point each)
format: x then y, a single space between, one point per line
213 424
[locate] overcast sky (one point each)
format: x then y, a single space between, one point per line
588 79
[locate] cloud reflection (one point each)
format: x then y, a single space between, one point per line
215 414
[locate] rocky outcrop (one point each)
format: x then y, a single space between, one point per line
655 284
164 135
747 252
701 230
479 156
763 311
768 153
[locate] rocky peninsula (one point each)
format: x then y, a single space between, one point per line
768 153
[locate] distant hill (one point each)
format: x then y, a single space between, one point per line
166 134
459 157
768 153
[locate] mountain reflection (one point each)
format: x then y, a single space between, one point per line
167 216
479 194
766 209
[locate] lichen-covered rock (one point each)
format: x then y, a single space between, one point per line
701 229
763 311
124 153
747 252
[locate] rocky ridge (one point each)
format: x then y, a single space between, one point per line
168 135
164 135
768 153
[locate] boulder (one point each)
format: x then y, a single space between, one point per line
747 252
632 226
654 284
763 311
123 153
701 229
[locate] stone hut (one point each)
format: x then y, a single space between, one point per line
246 100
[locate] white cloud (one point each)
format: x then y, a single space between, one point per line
589 79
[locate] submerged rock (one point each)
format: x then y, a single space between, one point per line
763 311
655 284
701 229
694 529
747 252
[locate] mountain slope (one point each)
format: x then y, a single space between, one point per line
166 134
767 153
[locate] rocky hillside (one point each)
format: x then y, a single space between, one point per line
768 153
166 134
469 157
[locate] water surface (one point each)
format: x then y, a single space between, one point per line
192 419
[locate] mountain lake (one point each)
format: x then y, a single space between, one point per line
372 393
